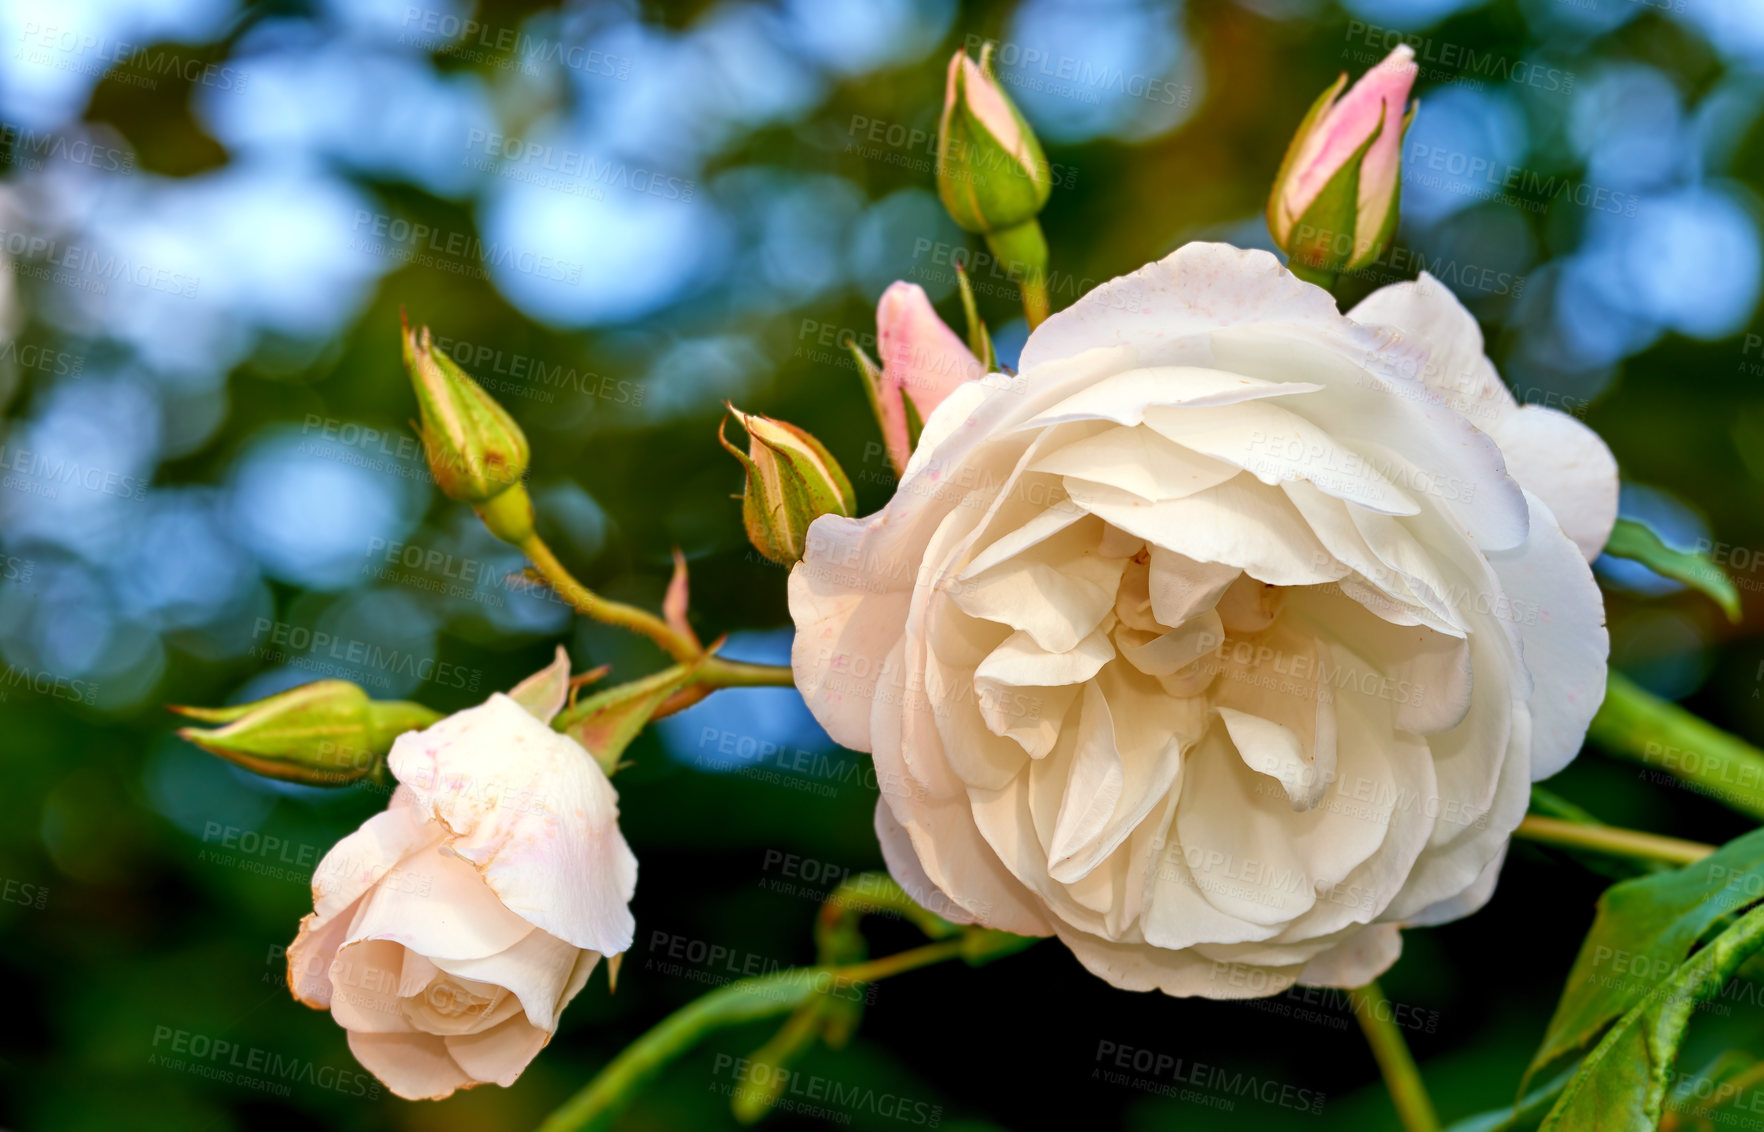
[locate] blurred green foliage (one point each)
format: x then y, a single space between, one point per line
122 928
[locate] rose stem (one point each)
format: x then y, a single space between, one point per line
744 1000
1611 840
1401 1077
1035 303
712 674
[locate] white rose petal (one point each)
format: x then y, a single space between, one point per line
450 931
1227 639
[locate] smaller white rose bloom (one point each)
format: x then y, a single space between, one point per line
1226 642
449 932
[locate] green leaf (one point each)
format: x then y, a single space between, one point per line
1522 1117
915 423
605 724
1312 117
871 374
1722 1082
1636 724
1368 255
825 487
979 341
1644 930
1631 540
1623 1082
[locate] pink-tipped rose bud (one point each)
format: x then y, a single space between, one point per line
1334 204
923 361
991 171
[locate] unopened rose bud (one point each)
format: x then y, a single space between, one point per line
992 175
792 480
476 451
991 172
1334 203
923 361
326 733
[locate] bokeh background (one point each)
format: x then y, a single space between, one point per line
617 215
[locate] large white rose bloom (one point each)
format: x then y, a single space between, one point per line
1225 641
450 931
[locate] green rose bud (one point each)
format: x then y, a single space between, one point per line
991 172
326 733
476 451
792 480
